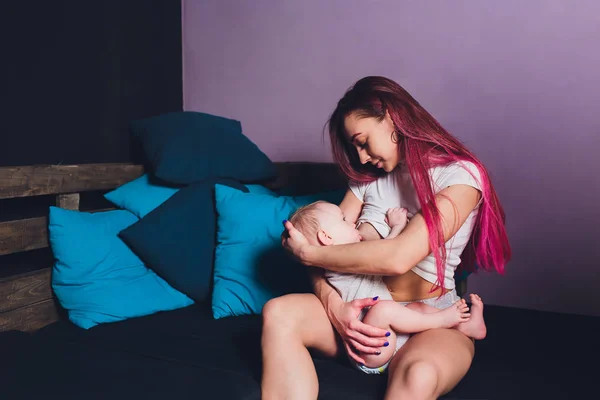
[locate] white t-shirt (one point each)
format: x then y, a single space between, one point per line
397 190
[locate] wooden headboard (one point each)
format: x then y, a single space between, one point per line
27 302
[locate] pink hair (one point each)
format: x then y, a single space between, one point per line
423 144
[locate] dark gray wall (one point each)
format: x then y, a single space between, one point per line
74 73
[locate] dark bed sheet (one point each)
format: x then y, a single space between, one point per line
184 354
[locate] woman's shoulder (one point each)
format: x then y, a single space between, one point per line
457 172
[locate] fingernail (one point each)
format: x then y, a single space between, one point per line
387 334
377 352
361 364
386 344
284 221
375 298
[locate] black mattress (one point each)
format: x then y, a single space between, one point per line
185 354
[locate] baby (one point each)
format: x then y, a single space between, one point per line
324 224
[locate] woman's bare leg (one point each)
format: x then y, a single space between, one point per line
291 324
429 365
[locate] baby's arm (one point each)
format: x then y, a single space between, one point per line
397 219
368 231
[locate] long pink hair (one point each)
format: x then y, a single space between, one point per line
423 144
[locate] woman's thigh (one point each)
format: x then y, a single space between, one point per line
434 360
301 316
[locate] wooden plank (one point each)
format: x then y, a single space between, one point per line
25 289
23 235
29 318
68 201
56 179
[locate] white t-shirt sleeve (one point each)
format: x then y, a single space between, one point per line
359 189
458 173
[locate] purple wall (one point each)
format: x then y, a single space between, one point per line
518 83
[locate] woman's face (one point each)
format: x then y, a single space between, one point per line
373 140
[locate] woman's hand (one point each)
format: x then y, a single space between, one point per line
357 336
295 242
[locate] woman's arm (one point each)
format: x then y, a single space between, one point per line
351 206
389 257
356 335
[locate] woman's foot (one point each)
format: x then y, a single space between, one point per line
456 314
475 327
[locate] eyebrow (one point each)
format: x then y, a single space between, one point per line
354 137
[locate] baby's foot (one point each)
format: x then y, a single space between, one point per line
475 327
454 315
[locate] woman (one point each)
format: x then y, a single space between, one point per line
380 135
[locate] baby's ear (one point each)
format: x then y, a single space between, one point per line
324 238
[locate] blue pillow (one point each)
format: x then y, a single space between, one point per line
187 147
177 239
251 267
141 195
96 277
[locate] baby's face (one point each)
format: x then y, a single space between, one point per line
333 222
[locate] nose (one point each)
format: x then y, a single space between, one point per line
363 156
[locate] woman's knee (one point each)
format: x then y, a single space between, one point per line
277 314
422 378
430 364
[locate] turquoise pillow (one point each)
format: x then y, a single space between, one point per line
250 265
141 195
96 277
144 194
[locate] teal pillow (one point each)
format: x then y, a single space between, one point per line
96 277
250 265
144 194
141 195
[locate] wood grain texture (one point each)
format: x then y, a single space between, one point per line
23 235
29 318
39 180
68 201
25 289
27 302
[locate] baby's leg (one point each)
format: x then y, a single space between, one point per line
397 318
474 328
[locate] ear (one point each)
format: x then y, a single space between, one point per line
324 238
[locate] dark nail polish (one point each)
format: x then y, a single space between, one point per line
386 344
387 334
284 221
375 298
377 352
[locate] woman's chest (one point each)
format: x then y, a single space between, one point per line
396 190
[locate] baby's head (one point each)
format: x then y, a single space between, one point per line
324 224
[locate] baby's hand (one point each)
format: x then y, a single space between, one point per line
396 217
